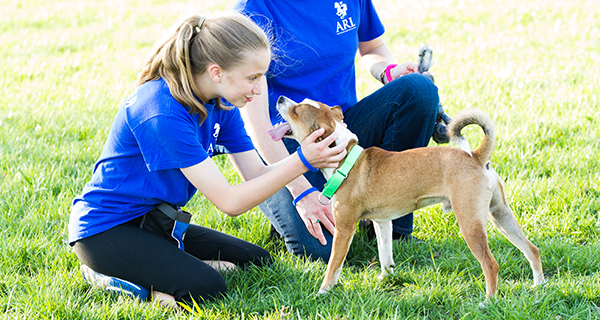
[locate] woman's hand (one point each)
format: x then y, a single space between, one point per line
319 154
402 69
315 216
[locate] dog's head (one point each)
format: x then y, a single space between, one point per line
304 118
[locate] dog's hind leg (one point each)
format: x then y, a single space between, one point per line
504 220
383 231
472 221
344 232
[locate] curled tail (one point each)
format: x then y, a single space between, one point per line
480 118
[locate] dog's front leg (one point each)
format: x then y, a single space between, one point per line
383 231
344 232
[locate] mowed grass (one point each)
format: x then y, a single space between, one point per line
534 66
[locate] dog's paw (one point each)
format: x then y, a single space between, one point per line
539 281
322 291
385 273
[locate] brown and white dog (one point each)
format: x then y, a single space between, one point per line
385 185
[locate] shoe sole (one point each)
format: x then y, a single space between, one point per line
113 284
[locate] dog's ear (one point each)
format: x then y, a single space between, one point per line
315 126
338 114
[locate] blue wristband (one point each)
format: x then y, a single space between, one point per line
303 159
304 194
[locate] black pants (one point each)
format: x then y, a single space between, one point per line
151 261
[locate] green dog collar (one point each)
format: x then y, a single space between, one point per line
341 173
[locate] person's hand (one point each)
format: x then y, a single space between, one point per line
319 154
314 214
403 69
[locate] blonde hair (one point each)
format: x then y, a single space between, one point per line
192 45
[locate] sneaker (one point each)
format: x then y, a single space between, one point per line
113 284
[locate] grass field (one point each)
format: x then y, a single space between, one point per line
534 66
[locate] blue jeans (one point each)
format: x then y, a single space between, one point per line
399 116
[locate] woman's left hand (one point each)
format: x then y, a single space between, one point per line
315 216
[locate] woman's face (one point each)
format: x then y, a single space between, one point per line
240 84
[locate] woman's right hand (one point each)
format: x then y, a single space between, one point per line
319 154
403 69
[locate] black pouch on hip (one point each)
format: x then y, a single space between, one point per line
168 222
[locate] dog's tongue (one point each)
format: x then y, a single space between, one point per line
278 132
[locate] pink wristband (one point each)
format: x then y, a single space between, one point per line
388 75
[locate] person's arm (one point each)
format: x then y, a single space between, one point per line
376 56
261 182
257 121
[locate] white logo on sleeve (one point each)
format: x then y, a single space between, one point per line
344 25
211 148
131 99
217 129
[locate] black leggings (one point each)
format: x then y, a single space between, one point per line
148 260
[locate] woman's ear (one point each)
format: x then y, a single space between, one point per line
215 73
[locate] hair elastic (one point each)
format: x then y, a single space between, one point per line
304 161
388 74
304 194
198 27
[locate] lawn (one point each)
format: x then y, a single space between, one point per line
533 66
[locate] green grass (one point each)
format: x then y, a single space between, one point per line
534 66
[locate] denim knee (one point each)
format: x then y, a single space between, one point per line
423 92
314 250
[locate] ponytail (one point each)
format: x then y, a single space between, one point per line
192 45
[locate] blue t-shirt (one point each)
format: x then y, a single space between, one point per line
151 138
315 45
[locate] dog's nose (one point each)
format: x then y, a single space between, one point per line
282 100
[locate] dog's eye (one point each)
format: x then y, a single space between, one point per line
294 110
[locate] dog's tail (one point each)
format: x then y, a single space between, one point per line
480 118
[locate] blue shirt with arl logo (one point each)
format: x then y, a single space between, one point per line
308 63
151 138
